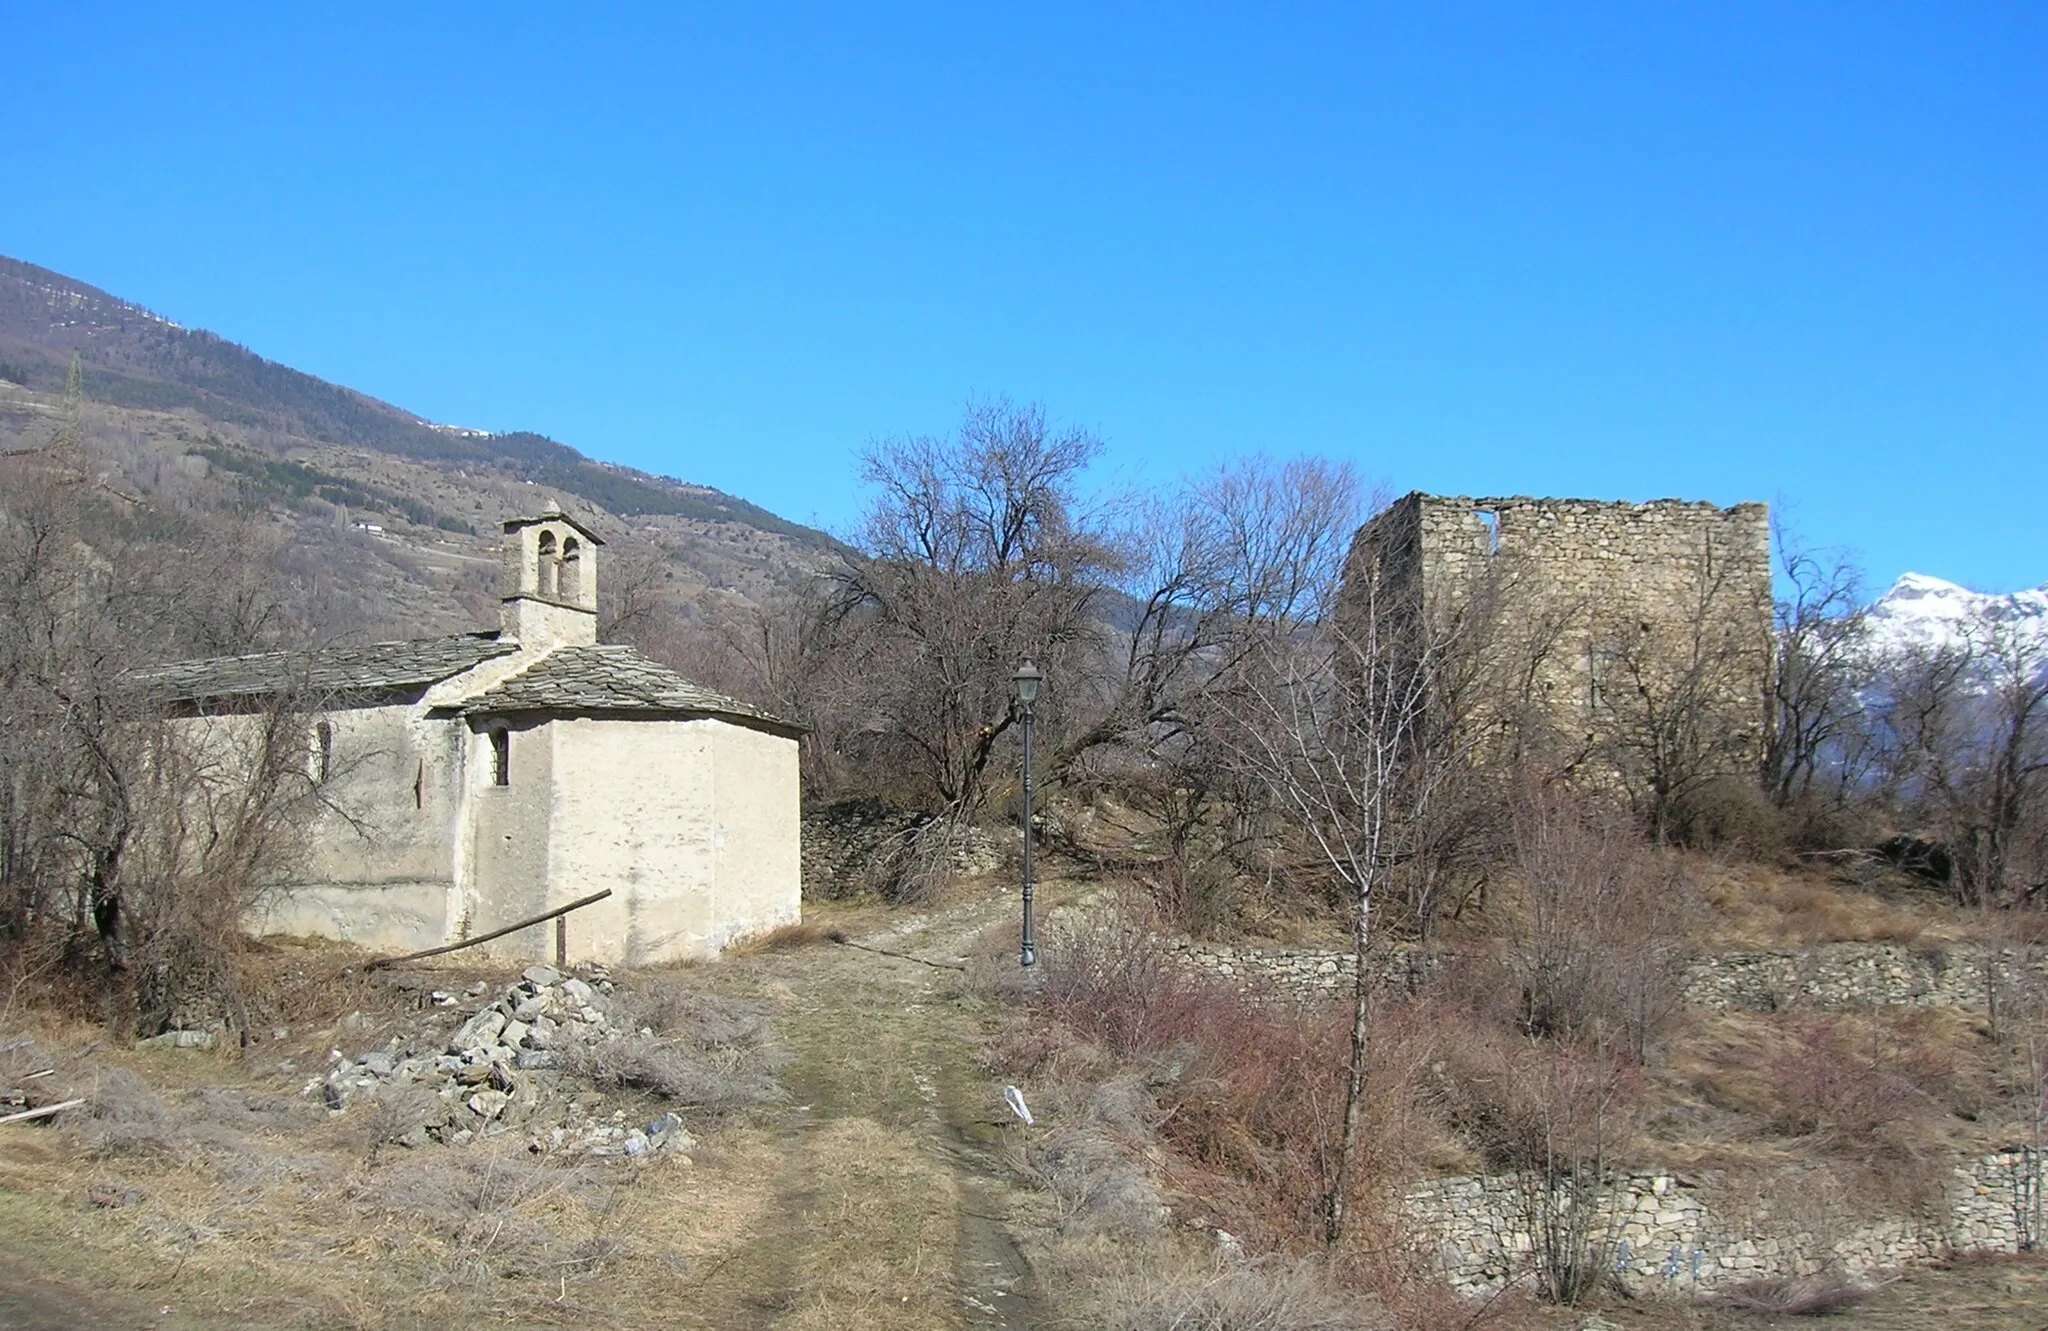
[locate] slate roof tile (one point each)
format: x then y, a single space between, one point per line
382 667
610 678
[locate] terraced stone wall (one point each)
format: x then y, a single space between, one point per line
1831 977
1668 1234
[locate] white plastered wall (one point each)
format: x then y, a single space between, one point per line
693 825
757 839
377 868
505 872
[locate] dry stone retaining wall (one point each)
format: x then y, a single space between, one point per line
1666 1235
1831 977
863 848
1836 976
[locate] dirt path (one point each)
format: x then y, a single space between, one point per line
890 1205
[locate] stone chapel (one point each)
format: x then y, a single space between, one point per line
470 782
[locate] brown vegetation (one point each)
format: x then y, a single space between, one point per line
129 850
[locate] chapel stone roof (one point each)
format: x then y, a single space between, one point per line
381 667
610 678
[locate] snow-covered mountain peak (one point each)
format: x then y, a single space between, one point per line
1922 612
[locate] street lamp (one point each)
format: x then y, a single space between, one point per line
1027 679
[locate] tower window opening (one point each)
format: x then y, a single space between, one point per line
547 571
1490 520
323 751
571 581
501 756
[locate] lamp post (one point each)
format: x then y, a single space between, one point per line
1026 681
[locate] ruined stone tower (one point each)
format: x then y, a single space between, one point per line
1632 640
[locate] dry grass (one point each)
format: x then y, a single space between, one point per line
234 1205
1277 1294
486 1216
686 1047
885 1213
1755 906
1809 1296
1850 1114
788 938
1852 1080
202 1181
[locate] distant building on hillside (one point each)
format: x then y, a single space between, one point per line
475 781
1632 640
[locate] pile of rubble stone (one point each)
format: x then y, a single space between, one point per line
500 1072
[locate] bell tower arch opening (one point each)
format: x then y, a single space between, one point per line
550 585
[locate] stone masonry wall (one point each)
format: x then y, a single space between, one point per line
862 848
1592 611
1831 977
1672 1234
1668 1234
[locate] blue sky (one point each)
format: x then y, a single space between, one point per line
1723 251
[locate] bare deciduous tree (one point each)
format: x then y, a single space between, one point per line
1334 721
1682 705
124 844
1213 573
1963 743
975 555
1821 669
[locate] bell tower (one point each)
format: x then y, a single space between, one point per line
550 588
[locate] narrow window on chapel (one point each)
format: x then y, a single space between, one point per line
501 757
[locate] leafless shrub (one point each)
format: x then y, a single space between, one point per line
242 1165
703 1021
1123 1106
1195 895
1111 979
502 1215
1856 1083
714 1078
1597 949
1556 1117
1806 1296
1274 1295
924 862
1099 1186
1729 813
1246 1090
123 1116
252 1109
18 1057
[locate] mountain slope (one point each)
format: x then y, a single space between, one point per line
392 521
137 359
